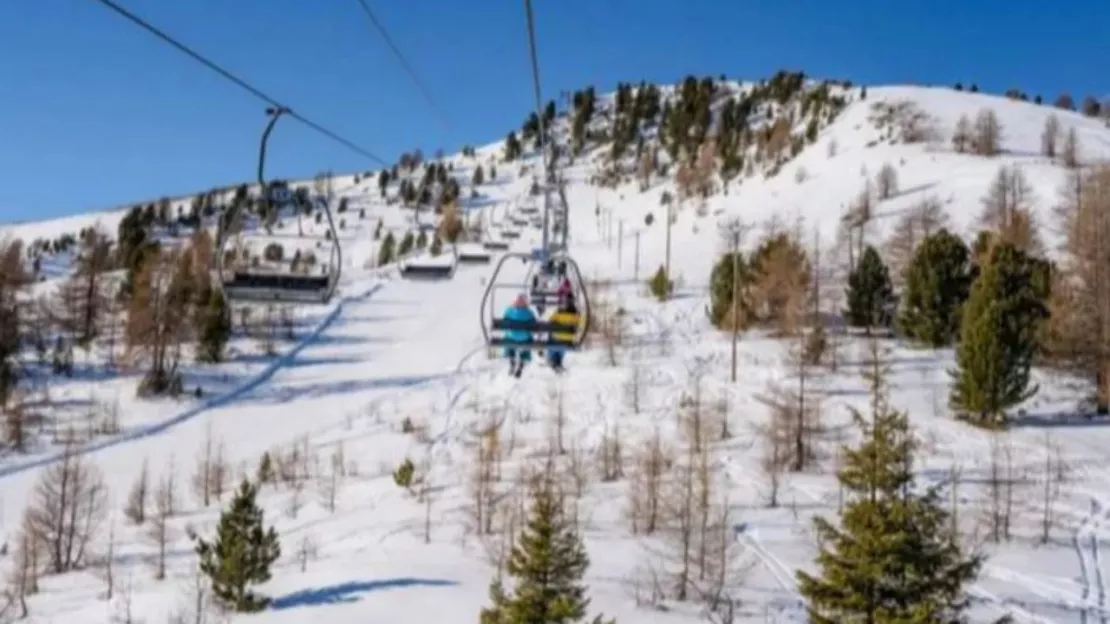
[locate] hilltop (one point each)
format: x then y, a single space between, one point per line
339 396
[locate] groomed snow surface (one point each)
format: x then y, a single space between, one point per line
389 352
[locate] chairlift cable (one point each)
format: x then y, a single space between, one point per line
404 62
241 83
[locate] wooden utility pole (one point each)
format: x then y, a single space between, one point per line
734 231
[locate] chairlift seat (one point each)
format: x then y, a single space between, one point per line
536 327
474 257
417 271
277 288
496 246
510 234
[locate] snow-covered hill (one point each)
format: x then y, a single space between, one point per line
397 369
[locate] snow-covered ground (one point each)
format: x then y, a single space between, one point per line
396 369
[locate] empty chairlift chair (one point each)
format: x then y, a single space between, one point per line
270 284
473 253
433 268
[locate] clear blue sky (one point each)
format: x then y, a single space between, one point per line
97 113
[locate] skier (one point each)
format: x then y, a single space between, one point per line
565 289
566 314
519 312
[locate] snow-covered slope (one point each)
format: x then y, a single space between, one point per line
398 369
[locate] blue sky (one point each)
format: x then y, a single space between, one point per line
98 113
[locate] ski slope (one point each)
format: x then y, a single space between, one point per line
389 352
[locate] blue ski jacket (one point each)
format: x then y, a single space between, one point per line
519 314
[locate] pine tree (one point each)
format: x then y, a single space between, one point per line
479 177
387 250
937 281
436 247
869 292
998 335
242 553
894 557
548 563
406 244
660 284
216 329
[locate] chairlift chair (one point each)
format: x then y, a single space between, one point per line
438 268
240 284
472 253
543 332
495 245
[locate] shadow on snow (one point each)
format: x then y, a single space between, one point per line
349 592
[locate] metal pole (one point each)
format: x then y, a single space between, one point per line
667 261
735 298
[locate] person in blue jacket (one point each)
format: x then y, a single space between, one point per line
519 312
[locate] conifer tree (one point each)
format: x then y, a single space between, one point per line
479 176
547 563
894 557
406 244
998 335
216 328
387 250
869 292
242 553
937 281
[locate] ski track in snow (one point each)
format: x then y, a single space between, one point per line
206 405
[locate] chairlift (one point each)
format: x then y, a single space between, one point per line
543 332
431 268
472 253
246 283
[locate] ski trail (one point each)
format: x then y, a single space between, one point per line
205 405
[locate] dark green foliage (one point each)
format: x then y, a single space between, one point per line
547 564
937 282
869 292
894 557
436 247
479 176
406 245
387 250
660 285
721 288
405 475
998 335
383 181
422 240
242 553
215 328
513 148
